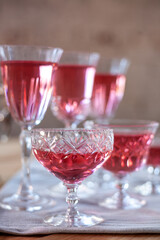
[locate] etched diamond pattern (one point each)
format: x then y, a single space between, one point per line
74 141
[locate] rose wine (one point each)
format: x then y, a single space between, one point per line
73 85
108 91
71 167
154 156
28 87
129 153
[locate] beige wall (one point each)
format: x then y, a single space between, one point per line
129 28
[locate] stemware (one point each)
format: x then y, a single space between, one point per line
108 91
151 184
132 139
109 87
72 155
73 85
27 74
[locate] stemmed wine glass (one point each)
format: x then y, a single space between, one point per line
73 85
72 155
109 87
108 92
132 139
27 74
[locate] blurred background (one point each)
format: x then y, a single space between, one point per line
114 28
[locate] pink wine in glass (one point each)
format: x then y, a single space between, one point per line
108 91
73 85
129 153
28 87
154 156
73 167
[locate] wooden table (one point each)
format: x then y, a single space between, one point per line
10 163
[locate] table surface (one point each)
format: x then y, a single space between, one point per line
10 163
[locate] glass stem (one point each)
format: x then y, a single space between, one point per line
67 124
122 194
72 213
100 179
25 189
70 125
154 178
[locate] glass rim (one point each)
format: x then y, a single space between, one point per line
128 123
108 59
73 52
114 66
30 46
52 130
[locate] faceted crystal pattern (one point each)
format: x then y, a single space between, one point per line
129 153
73 141
72 155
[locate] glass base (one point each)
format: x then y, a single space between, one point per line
81 220
127 202
31 203
147 188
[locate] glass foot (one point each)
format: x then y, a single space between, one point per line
30 203
147 188
127 202
81 220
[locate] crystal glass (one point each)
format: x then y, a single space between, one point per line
72 155
108 91
27 74
151 184
73 85
109 87
132 139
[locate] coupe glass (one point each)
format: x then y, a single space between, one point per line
72 155
151 186
132 140
27 74
73 85
109 87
